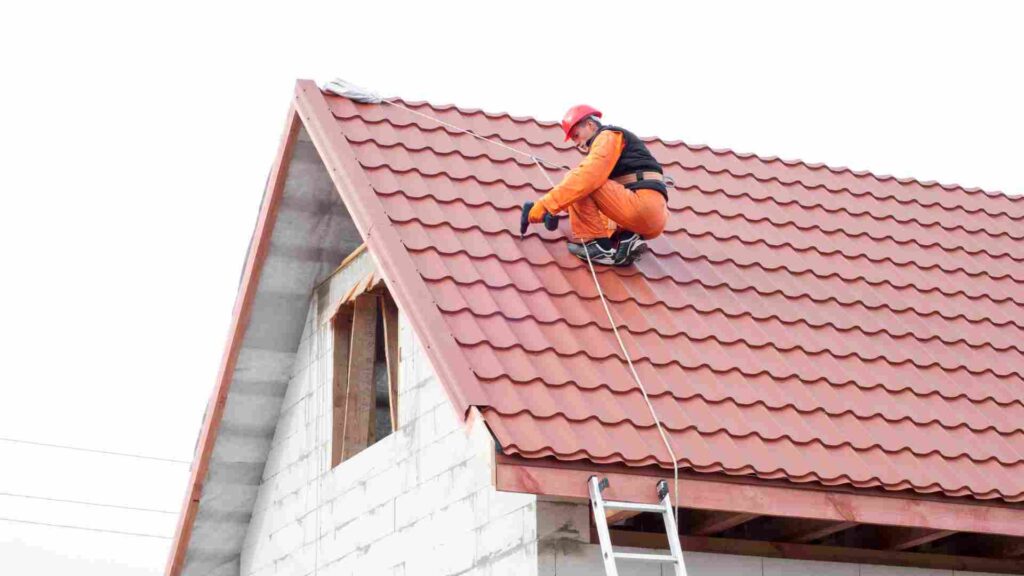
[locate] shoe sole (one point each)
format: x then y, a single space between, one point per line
634 256
639 252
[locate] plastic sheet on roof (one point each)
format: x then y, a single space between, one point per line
349 90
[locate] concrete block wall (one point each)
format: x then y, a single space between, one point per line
420 501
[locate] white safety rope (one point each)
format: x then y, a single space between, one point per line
536 159
632 369
604 302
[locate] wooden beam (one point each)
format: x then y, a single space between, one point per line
990 546
352 256
822 553
341 330
360 407
569 481
802 530
812 533
345 281
894 538
390 311
616 516
1011 549
716 522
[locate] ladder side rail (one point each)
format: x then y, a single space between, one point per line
601 521
671 530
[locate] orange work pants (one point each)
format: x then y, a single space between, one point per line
642 211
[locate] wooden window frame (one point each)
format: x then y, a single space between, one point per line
354 330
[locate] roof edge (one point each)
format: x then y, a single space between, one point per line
518 475
397 267
259 246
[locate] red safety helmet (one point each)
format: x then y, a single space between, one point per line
575 114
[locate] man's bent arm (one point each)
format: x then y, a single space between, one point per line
591 173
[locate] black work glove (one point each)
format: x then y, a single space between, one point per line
524 219
550 220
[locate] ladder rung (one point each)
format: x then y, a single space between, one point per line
634 506
649 557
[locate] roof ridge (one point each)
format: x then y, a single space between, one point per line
951 187
473 111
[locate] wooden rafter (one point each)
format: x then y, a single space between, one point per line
715 522
907 538
803 530
1011 549
615 516
811 533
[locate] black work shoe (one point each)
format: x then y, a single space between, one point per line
631 248
598 255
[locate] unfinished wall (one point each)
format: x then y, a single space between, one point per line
418 502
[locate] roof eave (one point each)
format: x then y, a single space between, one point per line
565 480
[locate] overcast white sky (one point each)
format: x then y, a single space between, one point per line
135 139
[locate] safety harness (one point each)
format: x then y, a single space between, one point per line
637 168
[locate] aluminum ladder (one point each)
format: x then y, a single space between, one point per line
600 505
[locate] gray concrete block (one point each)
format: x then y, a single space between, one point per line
875 570
704 564
786 567
562 520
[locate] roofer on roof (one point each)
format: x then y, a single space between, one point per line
616 197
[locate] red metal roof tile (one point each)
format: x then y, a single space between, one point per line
795 322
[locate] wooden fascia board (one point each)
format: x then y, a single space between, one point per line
570 482
821 553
